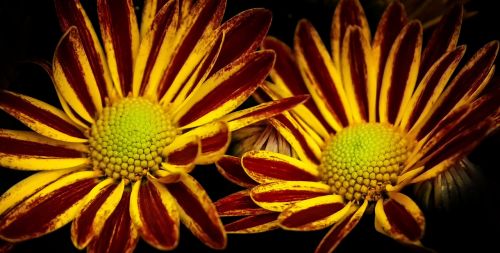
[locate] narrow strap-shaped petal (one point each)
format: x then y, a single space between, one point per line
400 74
81 227
277 196
341 229
71 13
183 151
430 88
243 33
119 233
230 167
198 212
238 204
214 138
245 117
74 78
225 90
41 117
195 36
253 224
305 146
264 167
400 218
444 38
120 35
29 186
390 25
154 212
49 209
465 83
149 12
314 214
286 76
347 12
322 79
31 151
358 75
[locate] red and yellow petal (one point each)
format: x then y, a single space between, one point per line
214 138
30 151
230 167
198 212
48 209
265 166
154 212
41 117
279 195
315 213
238 204
254 224
399 218
182 153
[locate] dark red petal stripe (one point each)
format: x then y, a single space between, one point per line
286 68
114 18
210 12
243 33
444 38
238 204
189 202
15 105
359 73
402 221
280 170
158 223
401 68
274 107
304 41
245 81
349 13
251 221
442 65
311 214
215 142
335 235
28 148
66 54
466 82
37 219
116 235
287 195
230 167
69 14
186 155
83 224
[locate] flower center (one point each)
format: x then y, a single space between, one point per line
127 139
359 161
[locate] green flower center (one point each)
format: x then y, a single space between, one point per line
127 139
359 161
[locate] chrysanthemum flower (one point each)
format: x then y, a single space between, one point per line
139 112
385 113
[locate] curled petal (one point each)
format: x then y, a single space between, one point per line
230 167
238 204
214 138
254 224
183 151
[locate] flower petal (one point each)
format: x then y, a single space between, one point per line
198 212
341 229
230 167
253 224
225 90
238 204
400 218
71 13
41 117
119 233
31 151
243 33
265 166
49 209
183 151
154 212
120 35
277 196
322 79
400 74
150 9
314 214
214 138
74 78
245 117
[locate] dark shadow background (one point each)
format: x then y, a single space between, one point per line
29 30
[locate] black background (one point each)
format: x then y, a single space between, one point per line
29 30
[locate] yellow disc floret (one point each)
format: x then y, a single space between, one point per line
359 161
127 139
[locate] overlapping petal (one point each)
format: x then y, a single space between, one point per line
230 167
238 204
214 138
253 224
